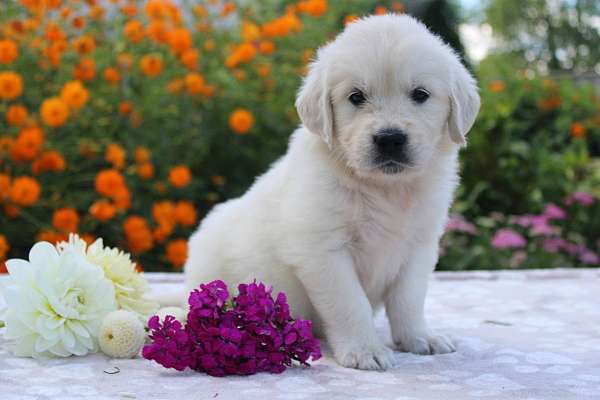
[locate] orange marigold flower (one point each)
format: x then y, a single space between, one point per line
497 86
380 10
51 236
8 51
4 187
266 47
50 160
116 155
108 182
180 39
85 70
176 85
65 220
142 154
84 44
125 60
158 31
189 58
103 210
155 9
350 19
241 121
134 31
194 83
398 7
27 145
16 115
227 9
550 103
11 85
3 247
185 213
129 10
78 22
200 11
578 130
316 8
138 234
125 107
180 176
54 112
151 65
97 12
282 26
145 170
122 198
54 33
176 252
250 31
162 232
164 212
243 53
112 75
74 94
264 70
25 191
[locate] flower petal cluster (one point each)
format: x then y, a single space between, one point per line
56 301
243 335
130 286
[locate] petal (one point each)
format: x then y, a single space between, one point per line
21 271
67 338
25 346
59 350
77 328
42 345
43 254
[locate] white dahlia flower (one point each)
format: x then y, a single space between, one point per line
56 302
130 286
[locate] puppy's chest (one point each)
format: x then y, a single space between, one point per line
381 240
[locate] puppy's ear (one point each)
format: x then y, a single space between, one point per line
313 102
464 104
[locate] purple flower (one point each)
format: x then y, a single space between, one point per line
552 211
589 257
554 244
538 224
170 345
457 222
249 334
583 198
508 239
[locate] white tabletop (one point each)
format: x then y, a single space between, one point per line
519 335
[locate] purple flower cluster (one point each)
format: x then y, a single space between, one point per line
250 333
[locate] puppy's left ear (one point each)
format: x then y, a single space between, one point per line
464 104
313 102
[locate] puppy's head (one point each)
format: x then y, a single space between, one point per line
387 96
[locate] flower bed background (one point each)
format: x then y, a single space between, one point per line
130 120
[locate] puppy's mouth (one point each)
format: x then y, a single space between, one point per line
391 167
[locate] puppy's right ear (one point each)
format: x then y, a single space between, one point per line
313 103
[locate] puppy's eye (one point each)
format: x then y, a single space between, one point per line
357 98
419 95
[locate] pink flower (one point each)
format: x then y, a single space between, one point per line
537 223
583 198
589 257
457 222
554 244
508 239
552 211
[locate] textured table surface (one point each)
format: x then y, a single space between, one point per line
519 335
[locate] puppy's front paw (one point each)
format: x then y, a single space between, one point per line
427 343
369 357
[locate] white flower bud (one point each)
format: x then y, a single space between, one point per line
121 334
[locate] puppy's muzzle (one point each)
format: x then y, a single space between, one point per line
391 145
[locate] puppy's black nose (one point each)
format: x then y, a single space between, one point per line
391 143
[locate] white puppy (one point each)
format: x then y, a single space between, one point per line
350 218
